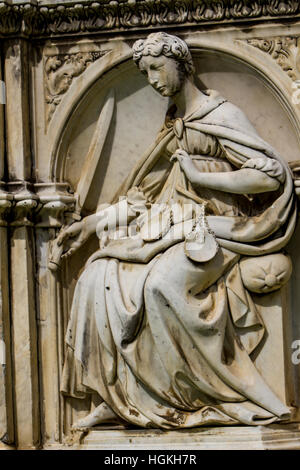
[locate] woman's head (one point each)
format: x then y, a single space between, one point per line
165 59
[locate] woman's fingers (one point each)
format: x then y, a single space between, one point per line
74 245
70 232
297 187
178 158
184 161
62 237
179 155
182 153
75 242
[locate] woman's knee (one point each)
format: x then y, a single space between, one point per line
92 271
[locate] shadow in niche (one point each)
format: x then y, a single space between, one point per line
131 132
200 84
235 80
86 120
101 169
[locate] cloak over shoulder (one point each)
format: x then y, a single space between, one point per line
270 230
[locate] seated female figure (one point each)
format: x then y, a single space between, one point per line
163 324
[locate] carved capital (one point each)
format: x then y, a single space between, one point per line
5 204
42 204
10 18
24 201
55 200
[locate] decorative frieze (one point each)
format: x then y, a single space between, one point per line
46 18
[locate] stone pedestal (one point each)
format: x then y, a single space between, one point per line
274 437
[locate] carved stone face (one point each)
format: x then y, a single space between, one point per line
163 74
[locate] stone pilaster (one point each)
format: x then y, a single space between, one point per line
6 391
54 202
22 252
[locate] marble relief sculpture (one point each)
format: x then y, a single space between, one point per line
163 324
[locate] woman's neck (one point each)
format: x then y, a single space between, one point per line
188 99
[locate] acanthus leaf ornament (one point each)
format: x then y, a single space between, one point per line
284 50
59 72
61 18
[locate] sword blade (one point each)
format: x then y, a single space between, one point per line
95 150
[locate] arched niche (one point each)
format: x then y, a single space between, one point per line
139 114
130 133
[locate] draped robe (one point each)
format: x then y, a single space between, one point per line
166 342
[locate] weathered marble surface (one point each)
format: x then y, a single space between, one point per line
112 337
34 18
221 438
55 87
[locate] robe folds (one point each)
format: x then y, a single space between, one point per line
165 341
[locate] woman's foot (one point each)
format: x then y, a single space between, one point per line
102 414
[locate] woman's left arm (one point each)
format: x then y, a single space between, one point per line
243 181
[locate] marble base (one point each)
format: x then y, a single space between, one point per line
217 438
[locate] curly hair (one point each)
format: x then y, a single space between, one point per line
162 43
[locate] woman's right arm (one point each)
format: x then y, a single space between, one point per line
243 181
72 237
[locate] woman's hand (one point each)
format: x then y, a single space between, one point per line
76 234
297 187
185 163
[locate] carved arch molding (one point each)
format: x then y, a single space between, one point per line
283 55
76 50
